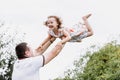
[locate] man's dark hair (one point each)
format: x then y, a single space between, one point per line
20 50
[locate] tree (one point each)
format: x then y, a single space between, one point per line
9 37
103 64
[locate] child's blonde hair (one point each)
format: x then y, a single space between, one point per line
58 20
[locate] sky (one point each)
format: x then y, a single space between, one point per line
30 15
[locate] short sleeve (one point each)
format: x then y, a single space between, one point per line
38 61
43 60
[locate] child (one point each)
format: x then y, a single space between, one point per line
74 34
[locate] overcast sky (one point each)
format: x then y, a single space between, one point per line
30 15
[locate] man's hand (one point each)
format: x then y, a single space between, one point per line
59 44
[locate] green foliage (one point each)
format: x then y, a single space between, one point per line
103 64
9 37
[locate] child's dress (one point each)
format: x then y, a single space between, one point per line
73 31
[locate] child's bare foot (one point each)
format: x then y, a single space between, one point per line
87 16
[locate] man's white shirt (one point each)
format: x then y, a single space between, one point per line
27 69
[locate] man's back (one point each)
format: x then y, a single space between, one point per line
27 69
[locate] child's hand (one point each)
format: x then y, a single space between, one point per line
40 47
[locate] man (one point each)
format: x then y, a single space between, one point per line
28 64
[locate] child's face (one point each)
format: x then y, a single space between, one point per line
52 23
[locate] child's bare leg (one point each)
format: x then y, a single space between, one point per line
90 31
45 46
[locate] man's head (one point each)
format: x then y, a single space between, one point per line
23 51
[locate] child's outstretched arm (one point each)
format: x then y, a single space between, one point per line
46 40
66 37
45 44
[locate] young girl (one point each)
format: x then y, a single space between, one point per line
73 34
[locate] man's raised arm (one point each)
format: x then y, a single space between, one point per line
53 53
